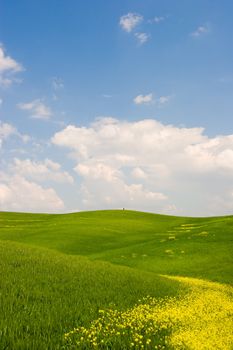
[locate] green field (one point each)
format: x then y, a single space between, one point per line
57 271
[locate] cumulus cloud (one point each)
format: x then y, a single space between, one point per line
7 130
150 166
46 170
142 38
8 68
98 171
120 195
138 173
143 99
212 155
130 21
37 109
106 186
19 194
20 188
200 31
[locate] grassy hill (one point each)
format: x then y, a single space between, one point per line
57 271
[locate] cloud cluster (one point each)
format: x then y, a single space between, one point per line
8 68
143 99
149 165
148 99
19 194
7 130
142 37
130 21
19 180
46 170
163 99
37 109
200 31
21 186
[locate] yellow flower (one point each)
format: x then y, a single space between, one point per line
200 320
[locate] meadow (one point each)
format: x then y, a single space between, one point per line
61 276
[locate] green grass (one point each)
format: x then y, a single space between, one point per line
56 271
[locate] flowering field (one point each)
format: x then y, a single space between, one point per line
108 280
202 319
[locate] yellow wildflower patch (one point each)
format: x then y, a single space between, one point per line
200 320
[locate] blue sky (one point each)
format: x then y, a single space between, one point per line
70 63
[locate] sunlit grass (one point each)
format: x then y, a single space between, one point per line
44 293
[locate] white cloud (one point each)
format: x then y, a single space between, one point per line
8 67
20 190
7 130
200 31
143 99
163 99
98 171
148 99
150 166
119 140
19 194
142 38
46 170
7 63
103 193
37 109
130 21
138 173
212 155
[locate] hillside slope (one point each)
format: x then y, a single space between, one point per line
57 271
196 247
45 293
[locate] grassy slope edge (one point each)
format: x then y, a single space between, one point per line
46 293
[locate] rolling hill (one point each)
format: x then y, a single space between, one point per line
57 271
